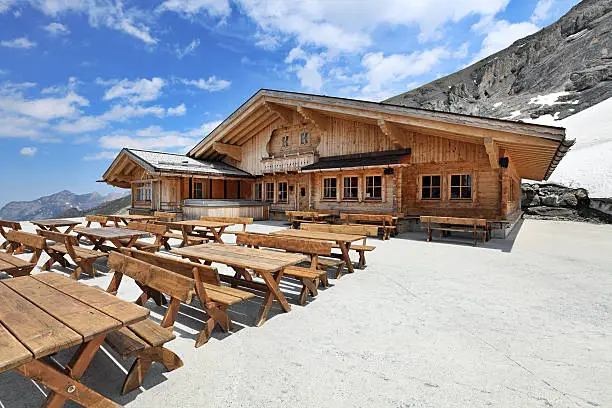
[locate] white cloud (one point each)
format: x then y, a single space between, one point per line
212 84
179 110
120 113
190 8
56 29
140 90
188 50
308 73
5 5
28 151
22 42
500 35
44 108
541 11
267 41
81 125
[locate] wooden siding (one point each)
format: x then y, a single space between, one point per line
256 212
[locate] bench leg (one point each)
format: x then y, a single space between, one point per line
362 260
308 287
217 315
143 362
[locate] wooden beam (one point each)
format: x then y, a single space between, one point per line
321 121
492 151
286 114
233 151
395 133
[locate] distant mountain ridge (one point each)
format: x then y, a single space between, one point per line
559 71
53 205
118 206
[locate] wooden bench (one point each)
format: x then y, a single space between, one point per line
382 221
244 221
100 219
6 226
297 217
165 216
309 277
145 340
65 244
355 229
476 226
175 231
157 230
15 239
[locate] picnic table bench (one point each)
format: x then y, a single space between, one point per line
6 226
295 217
164 216
126 218
115 235
386 222
180 232
343 242
356 229
157 230
268 264
46 313
476 226
202 280
17 239
55 224
244 221
210 229
65 244
309 277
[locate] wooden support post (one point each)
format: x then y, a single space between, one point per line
492 151
321 121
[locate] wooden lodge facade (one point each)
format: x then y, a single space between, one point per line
290 151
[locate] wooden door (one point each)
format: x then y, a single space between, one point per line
302 196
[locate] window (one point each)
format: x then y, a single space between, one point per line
143 192
461 186
351 188
430 187
373 188
258 195
285 141
197 189
304 138
270 192
329 188
282 192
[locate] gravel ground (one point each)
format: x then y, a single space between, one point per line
523 322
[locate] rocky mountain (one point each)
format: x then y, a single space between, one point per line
53 205
558 71
118 206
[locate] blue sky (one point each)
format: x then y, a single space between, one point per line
79 80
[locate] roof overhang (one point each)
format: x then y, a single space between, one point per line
535 149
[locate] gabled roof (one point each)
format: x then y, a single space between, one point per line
537 149
374 159
166 163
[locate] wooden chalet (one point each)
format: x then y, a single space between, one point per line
293 151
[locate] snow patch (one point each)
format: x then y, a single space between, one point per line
515 114
549 100
576 35
588 162
497 104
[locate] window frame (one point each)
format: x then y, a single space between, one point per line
194 190
304 137
344 197
285 141
367 187
431 186
258 197
279 192
144 189
269 191
461 187
325 188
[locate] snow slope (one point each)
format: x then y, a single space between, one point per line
588 164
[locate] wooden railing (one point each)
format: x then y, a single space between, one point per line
170 206
141 204
289 163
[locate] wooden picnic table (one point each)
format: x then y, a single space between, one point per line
100 235
126 218
263 262
216 228
54 224
43 314
342 240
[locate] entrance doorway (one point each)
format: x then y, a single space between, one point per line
302 196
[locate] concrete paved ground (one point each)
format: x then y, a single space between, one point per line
519 323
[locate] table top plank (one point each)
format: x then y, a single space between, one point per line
110 232
125 312
204 223
55 222
249 258
82 318
12 352
38 331
130 217
10 261
318 235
